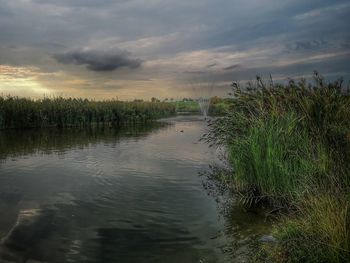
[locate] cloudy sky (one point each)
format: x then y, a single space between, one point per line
144 48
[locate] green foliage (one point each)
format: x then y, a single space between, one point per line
186 106
273 158
289 145
218 106
18 112
321 233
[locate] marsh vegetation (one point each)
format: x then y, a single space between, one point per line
16 112
289 148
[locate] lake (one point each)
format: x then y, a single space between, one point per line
132 194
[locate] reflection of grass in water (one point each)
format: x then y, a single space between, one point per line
149 243
244 226
16 142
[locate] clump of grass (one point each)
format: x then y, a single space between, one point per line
273 159
18 112
289 146
320 233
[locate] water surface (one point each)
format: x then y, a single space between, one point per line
116 195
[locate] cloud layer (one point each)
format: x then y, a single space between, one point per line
99 60
146 48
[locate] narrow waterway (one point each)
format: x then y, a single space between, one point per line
116 195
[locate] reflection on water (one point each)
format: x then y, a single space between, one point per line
17 142
108 195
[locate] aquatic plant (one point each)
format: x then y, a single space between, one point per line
289 146
16 112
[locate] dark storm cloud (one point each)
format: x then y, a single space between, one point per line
307 45
99 60
231 67
80 3
211 65
194 72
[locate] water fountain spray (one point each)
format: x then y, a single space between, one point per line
203 93
204 104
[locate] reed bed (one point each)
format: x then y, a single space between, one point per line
289 147
16 112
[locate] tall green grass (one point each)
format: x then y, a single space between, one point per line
319 233
273 159
289 145
18 112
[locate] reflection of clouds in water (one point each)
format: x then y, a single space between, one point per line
22 242
113 193
64 198
166 145
16 143
74 250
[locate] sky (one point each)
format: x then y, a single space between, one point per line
127 49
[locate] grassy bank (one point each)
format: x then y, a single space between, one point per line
218 106
18 112
289 146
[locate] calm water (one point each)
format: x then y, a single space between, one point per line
107 195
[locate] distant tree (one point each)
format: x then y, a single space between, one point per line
154 99
216 100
